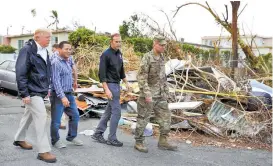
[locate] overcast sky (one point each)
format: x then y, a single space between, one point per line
191 23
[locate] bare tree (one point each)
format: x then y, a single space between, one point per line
228 26
170 22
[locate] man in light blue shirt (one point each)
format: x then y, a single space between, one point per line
62 98
55 54
75 73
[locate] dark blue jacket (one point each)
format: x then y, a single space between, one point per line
32 72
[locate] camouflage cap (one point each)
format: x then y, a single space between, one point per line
160 39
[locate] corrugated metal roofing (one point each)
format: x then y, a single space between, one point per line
230 118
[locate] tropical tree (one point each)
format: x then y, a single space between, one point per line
33 12
55 18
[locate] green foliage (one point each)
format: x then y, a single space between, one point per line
226 52
141 45
191 49
200 53
54 16
131 33
7 49
94 73
101 40
33 12
130 29
124 30
265 61
87 36
81 35
226 57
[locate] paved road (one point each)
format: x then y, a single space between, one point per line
94 154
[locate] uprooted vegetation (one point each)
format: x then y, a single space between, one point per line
229 109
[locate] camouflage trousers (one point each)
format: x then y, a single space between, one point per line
162 114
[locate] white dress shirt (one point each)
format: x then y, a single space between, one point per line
42 51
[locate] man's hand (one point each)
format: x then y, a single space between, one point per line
48 94
26 100
75 85
148 99
65 102
109 94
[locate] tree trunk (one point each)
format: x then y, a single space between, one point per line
234 34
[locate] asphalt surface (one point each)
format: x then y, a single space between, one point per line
93 153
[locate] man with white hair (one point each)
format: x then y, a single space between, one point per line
33 70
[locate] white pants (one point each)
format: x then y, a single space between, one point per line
36 112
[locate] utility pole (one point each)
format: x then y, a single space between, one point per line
8 29
23 27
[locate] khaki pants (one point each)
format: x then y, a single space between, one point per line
36 112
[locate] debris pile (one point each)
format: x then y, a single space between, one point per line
207 100
201 99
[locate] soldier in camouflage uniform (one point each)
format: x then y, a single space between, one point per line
152 82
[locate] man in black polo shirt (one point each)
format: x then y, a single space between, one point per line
111 71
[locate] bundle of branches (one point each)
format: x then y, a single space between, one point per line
173 50
200 84
87 60
132 60
193 83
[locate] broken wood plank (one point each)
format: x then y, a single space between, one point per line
185 105
93 88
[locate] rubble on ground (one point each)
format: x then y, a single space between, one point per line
201 98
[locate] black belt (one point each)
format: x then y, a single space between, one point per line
43 95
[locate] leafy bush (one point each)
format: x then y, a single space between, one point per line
87 36
141 45
100 40
81 35
191 49
7 49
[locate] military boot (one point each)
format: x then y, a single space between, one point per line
164 145
141 147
